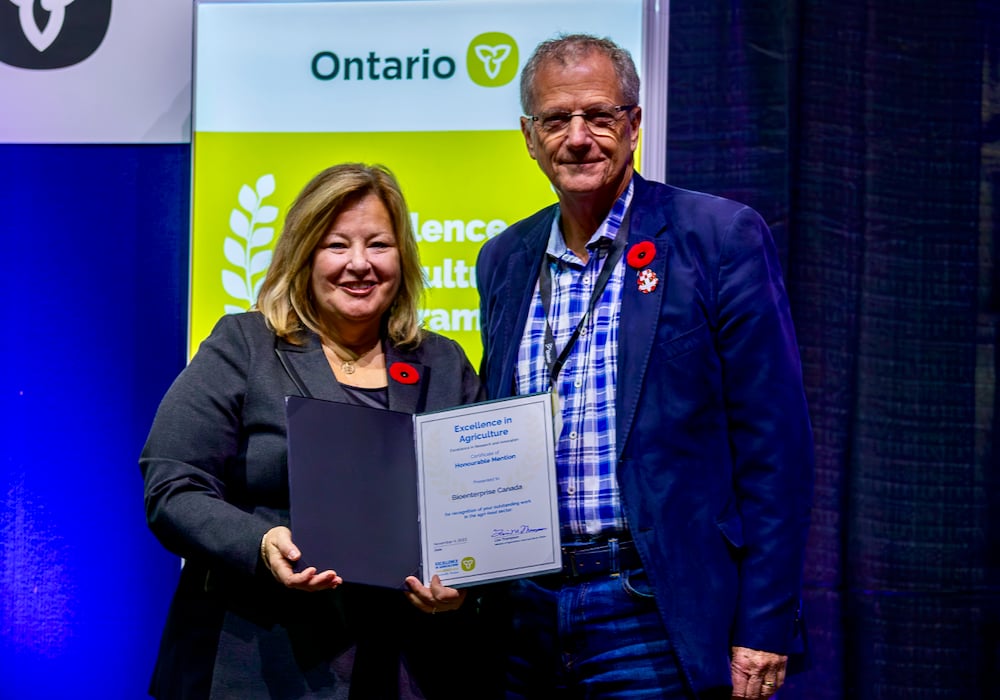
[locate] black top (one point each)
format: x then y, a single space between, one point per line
363 396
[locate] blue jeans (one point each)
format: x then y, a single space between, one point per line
600 637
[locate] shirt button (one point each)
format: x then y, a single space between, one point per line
572 435
570 490
577 383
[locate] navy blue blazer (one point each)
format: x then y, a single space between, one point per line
714 444
216 479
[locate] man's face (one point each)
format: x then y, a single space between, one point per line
581 160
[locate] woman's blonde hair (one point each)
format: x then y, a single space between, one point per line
285 297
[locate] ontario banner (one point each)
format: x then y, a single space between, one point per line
428 88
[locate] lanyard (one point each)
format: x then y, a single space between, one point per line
545 289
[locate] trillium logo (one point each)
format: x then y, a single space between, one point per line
492 59
43 34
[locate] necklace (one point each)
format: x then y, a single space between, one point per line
347 364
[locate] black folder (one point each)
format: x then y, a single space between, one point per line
352 477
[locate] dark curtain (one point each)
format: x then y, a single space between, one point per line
868 135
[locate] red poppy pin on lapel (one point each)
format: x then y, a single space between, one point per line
640 255
404 373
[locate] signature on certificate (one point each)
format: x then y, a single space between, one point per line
501 532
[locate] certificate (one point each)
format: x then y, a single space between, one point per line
468 493
487 485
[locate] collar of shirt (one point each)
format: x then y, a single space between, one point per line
603 236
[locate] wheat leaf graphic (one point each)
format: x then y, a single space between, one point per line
239 223
265 186
248 198
261 236
235 285
260 261
250 262
256 286
234 251
266 215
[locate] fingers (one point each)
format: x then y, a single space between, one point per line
757 674
310 580
451 598
279 554
434 599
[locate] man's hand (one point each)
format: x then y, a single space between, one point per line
757 674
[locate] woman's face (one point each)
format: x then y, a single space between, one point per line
355 269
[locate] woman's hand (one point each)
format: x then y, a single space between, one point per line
279 552
437 598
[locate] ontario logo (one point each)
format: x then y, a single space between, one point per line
46 34
492 59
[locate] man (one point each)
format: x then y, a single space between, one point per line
684 450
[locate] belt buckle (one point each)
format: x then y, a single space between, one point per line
614 561
591 560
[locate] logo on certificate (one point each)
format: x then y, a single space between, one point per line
468 563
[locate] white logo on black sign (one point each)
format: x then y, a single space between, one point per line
46 34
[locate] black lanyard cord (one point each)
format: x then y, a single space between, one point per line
545 290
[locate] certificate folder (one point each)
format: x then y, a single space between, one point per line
467 493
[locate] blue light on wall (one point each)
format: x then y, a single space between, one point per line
94 286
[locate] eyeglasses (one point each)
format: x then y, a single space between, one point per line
599 120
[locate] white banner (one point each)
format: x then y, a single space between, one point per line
422 65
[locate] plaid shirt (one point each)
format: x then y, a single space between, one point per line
589 501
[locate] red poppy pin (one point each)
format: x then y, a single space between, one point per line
641 254
404 373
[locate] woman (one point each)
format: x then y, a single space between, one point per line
337 310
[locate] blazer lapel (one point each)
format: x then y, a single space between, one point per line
523 266
309 369
406 396
640 314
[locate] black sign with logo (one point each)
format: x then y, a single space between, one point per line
63 35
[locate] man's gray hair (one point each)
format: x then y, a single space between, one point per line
570 49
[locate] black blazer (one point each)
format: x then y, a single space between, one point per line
216 480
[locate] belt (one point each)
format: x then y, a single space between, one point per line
594 559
